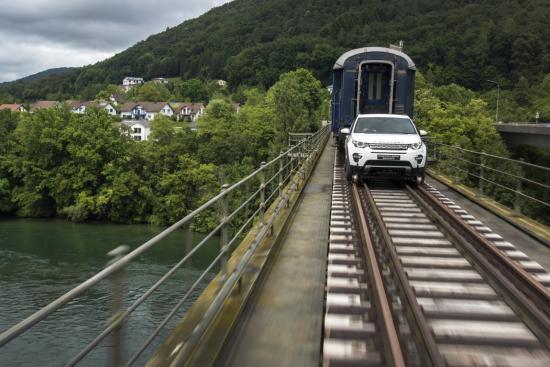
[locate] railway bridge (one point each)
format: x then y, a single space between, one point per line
313 270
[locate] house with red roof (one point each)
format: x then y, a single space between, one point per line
14 107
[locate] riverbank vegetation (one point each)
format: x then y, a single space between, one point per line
54 163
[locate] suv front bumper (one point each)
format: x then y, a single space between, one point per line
386 163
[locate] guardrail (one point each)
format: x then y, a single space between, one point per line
273 181
522 186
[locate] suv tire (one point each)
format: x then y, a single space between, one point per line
419 179
347 170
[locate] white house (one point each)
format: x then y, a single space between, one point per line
189 111
80 107
130 81
132 110
111 110
154 108
138 130
145 110
160 80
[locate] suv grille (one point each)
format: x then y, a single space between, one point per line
384 146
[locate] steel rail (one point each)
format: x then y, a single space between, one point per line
526 295
383 304
426 339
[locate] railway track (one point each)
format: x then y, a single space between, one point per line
414 280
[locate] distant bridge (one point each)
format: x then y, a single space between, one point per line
515 134
314 270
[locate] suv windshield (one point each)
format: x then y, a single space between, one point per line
384 125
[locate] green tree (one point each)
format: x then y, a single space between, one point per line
296 99
153 92
106 92
192 90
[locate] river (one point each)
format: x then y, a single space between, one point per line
42 259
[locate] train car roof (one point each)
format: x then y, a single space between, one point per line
342 59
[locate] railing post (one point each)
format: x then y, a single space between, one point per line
456 176
293 161
302 162
288 163
546 194
224 233
281 167
262 194
519 187
481 173
188 237
246 193
117 352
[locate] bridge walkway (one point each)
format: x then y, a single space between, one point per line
282 325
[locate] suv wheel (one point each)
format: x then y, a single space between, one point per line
347 169
419 179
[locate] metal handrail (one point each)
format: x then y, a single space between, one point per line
493 156
504 187
498 175
297 156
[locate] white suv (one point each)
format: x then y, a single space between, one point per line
385 146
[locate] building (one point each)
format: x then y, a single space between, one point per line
160 80
14 107
145 110
81 107
221 83
108 107
75 106
154 108
131 110
138 130
129 82
189 111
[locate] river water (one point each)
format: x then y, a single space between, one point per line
42 259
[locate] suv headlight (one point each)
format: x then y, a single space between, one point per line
416 146
359 144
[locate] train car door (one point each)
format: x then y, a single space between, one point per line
375 92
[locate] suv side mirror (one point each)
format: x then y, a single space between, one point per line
423 133
344 131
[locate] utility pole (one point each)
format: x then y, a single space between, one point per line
498 97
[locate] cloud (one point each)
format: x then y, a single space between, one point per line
36 35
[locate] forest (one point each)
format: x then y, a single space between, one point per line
252 42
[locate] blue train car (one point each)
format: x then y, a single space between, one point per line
371 80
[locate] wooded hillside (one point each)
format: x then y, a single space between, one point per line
253 41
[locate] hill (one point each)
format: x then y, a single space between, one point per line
47 73
254 41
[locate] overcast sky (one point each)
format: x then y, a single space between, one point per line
36 35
